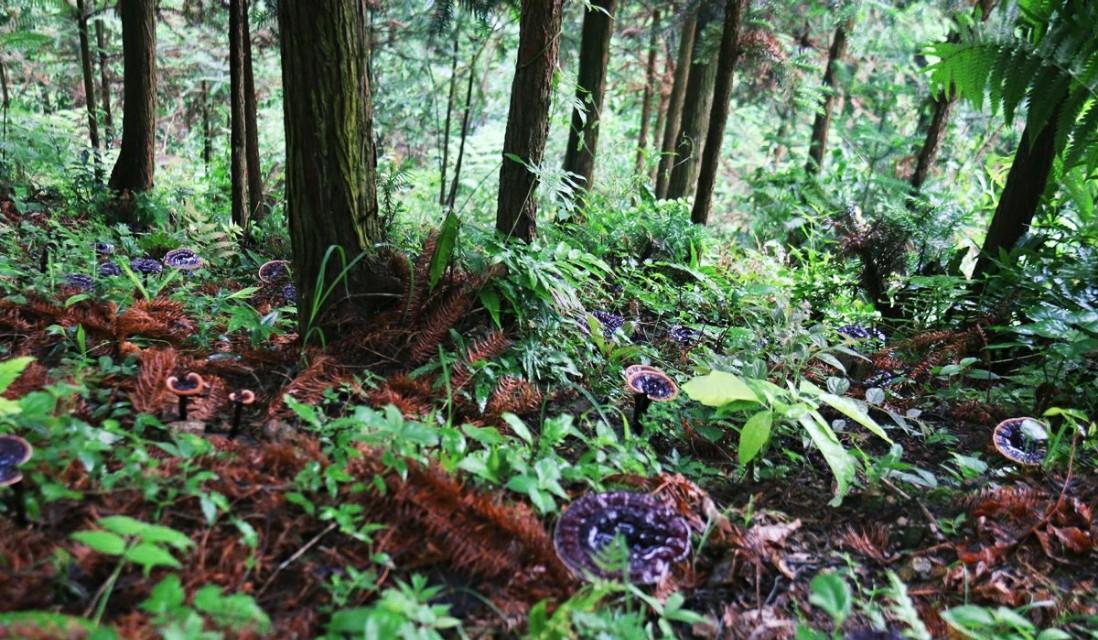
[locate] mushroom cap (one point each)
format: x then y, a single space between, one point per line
610 321
192 384
147 266
274 270
183 258
109 270
1021 440
654 534
682 334
103 248
289 292
243 396
14 451
652 382
79 281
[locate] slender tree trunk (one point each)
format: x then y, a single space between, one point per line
331 190
251 118
939 120
649 91
822 124
695 122
528 117
730 53
665 101
452 197
583 136
1021 195
104 82
673 115
238 134
5 100
449 117
207 126
89 86
136 164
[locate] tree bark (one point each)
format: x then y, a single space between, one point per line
251 139
822 124
207 126
238 145
673 116
89 86
136 165
695 122
331 191
452 197
661 112
104 82
718 118
649 91
1021 195
939 120
528 117
449 117
583 136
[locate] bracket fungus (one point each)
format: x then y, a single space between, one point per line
648 385
610 322
273 271
146 266
183 259
79 281
1021 440
109 270
14 452
289 293
190 385
240 399
656 537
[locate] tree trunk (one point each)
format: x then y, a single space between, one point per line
452 197
939 120
1021 195
207 126
238 118
665 101
820 126
673 116
718 118
5 102
331 190
583 136
89 86
251 129
528 117
695 122
135 167
104 82
449 118
649 90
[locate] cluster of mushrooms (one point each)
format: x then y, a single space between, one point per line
183 259
14 452
193 384
274 272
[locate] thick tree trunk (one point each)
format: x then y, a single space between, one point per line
89 86
661 112
718 118
136 164
673 114
583 136
528 117
822 124
207 126
695 122
449 117
104 82
1021 195
238 119
649 91
251 119
331 191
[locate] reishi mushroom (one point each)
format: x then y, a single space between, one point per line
1021 440
240 399
190 385
648 385
14 451
79 281
146 266
273 271
654 534
183 259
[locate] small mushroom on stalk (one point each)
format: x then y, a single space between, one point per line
190 385
240 399
146 266
103 248
14 451
655 536
183 259
289 293
79 281
109 270
1021 440
273 271
648 385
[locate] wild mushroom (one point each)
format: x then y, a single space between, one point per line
655 536
14 451
1021 440
273 271
103 248
109 270
610 322
858 332
191 385
79 281
648 384
183 259
683 335
240 399
146 266
289 293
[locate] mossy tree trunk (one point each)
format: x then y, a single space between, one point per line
238 117
673 114
817 146
136 164
331 190
583 136
528 117
88 74
718 117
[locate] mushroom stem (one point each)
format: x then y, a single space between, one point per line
19 504
238 413
183 407
640 405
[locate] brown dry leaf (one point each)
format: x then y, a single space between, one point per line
150 392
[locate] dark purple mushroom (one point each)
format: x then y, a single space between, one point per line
109 270
274 270
656 537
190 385
183 259
610 322
146 266
289 293
648 385
240 399
14 451
1021 440
683 335
858 332
103 248
79 282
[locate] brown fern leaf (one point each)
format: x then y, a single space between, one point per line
487 347
437 325
409 408
871 542
206 407
150 392
34 377
408 386
514 396
419 289
309 385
